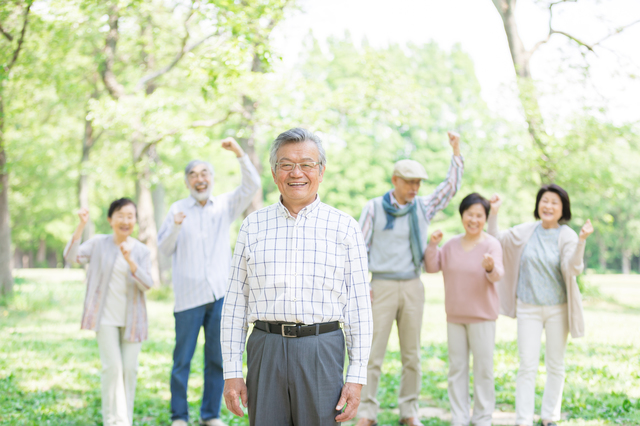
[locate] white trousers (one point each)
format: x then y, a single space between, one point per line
479 339
119 370
531 320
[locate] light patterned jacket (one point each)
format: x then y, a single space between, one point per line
100 252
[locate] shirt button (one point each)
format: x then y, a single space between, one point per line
294 299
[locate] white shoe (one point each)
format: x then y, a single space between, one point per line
212 422
179 422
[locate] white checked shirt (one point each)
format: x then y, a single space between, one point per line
199 247
308 269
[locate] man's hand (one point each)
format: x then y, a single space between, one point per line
178 218
487 262
454 141
436 237
351 396
371 295
230 144
495 202
587 229
83 214
234 389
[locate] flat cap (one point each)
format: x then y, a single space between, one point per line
409 169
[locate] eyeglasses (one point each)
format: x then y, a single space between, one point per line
203 174
305 167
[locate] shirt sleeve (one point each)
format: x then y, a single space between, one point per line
440 198
432 259
241 197
234 323
358 322
495 250
142 278
168 234
78 253
366 223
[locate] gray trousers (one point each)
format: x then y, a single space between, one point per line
294 381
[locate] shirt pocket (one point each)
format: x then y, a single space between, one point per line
266 262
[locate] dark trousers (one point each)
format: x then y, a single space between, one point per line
294 381
188 325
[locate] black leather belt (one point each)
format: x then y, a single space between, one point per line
296 330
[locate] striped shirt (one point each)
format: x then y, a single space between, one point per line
390 250
199 247
306 269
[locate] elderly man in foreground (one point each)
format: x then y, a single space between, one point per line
299 270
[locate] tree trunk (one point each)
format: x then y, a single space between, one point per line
159 210
602 255
527 91
147 230
6 279
249 143
41 256
626 261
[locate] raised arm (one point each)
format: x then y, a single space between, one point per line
492 263
366 223
169 231
432 260
241 197
75 252
440 198
573 253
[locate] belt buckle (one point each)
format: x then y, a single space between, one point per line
286 330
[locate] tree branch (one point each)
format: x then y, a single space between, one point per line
6 34
211 123
149 78
617 31
21 40
116 90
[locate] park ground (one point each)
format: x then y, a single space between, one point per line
50 370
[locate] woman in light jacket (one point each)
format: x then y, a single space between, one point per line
471 264
541 262
114 307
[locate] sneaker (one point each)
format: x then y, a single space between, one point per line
179 422
212 422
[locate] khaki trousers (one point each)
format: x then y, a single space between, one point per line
402 301
119 371
479 339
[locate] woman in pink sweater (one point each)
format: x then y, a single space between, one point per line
471 264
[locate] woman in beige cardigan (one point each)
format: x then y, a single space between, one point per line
114 307
541 262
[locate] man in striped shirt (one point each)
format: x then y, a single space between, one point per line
196 235
395 230
299 270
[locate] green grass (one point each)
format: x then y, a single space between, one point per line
50 370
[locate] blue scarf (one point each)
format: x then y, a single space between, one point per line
414 227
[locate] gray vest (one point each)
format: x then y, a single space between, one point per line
390 251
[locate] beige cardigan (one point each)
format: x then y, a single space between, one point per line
513 242
101 251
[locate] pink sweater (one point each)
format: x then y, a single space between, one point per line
470 294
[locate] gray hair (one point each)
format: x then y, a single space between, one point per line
192 164
295 135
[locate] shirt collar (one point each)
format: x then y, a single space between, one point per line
194 202
393 200
304 212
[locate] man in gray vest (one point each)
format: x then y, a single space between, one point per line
395 231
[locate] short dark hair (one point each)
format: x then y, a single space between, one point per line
564 197
474 198
120 203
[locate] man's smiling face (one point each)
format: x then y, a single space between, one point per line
298 187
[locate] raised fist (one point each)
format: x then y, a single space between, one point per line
487 262
83 214
587 229
436 237
230 144
495 202
125 248
178 218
